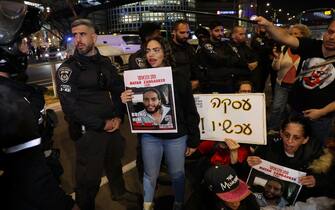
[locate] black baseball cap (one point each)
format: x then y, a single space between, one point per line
223 181
214 24
201 32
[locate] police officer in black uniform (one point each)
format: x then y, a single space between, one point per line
183 52
244 57
26 181
89 91
203 35
263 45
215 56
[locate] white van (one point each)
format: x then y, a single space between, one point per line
117 47
127 43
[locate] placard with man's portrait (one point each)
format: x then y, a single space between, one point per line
152 109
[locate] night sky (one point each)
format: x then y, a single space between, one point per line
300 5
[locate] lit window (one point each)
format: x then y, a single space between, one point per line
177 2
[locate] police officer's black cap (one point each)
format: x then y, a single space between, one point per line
148 28
214 24
201 31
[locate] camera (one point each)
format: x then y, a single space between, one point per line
17 21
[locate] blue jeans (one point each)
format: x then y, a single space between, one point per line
279 103
174 152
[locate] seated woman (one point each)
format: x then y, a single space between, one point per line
294 149
175 146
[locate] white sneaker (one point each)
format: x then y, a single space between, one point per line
148 206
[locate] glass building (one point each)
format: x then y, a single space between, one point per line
129 18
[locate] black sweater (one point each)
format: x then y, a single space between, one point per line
187 115
84 99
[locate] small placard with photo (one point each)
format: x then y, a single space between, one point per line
152 109
269 181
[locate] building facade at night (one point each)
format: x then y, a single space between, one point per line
131 16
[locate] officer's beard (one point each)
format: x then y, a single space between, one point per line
181 40
87 51
217 38
157 108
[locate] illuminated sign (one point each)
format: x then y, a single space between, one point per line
328 12
226 12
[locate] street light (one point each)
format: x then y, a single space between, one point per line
267 4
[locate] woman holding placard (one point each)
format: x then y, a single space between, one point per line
175 146
294 149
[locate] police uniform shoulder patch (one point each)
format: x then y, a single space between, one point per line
140 62
64 74
209 46
260 40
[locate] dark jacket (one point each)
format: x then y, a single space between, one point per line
136 60
263 46
25 171
187 115
242 55
309 158
214 58
219 64
185 60
89 90
25 102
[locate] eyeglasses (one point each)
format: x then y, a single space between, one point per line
155 50
287 136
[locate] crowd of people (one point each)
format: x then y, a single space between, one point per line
93 98
301 111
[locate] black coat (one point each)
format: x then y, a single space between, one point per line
214 59
187 115
27 182
84 86
19 121
185 60
242 54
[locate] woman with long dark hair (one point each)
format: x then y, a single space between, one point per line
175 146
295 149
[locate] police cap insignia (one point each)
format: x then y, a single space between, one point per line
140 62
64 74
208 46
